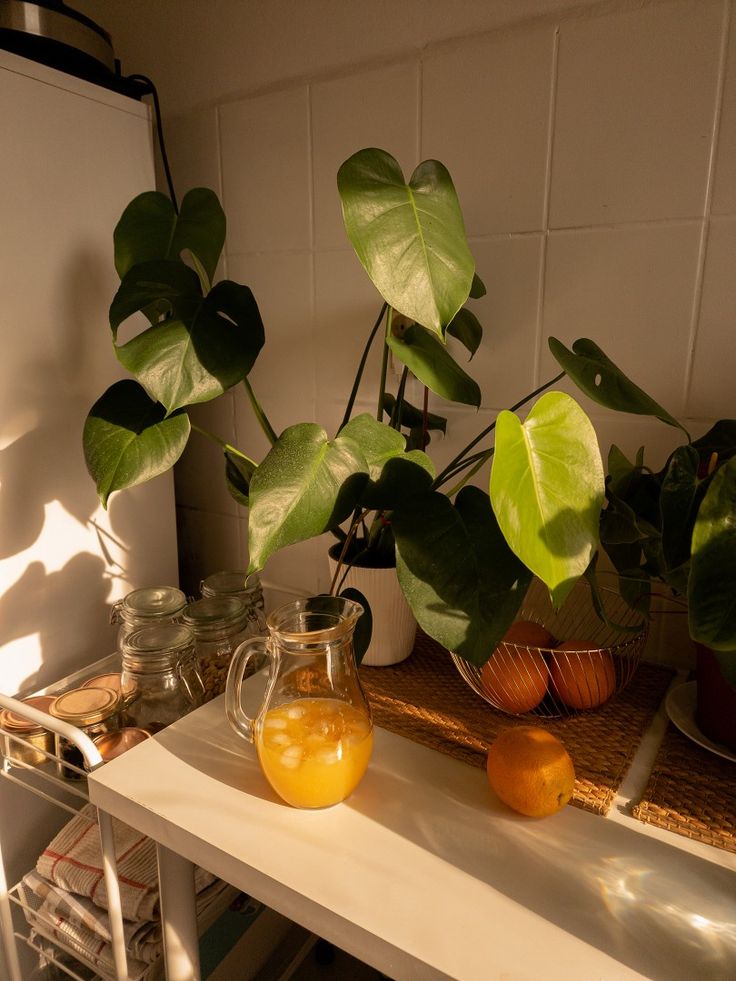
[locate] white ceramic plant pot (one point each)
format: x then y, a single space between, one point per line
394 626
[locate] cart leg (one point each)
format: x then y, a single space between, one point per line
112 885
9 949
178 916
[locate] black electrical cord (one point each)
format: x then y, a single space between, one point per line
150 89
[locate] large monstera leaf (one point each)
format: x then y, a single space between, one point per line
410 237
128 439
206 345
165 287
462 581
306 485
547 490
150 228
395 475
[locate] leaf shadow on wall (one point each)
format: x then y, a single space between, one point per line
47 499
46 603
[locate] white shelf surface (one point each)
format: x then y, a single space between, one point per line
424 874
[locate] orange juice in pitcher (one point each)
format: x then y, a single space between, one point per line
314 751
313 732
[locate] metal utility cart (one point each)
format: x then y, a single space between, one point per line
43 780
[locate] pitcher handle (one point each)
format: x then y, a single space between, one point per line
240 721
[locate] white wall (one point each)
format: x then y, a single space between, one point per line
73 155
593 152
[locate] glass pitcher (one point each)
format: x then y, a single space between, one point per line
313 732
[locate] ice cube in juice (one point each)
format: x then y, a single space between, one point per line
314 751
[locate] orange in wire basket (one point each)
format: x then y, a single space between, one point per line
516 678
583 678
531 771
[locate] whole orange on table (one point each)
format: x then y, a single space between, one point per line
531 771
586 678
514 677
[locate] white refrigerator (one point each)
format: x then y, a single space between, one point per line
72 155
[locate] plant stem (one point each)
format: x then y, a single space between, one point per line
425 418
221 442
482 457
450 468
384 367
361 369
260 414
398 404
356 520
469 461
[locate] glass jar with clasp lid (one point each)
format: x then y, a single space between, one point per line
219 624
146 607
247 588
159 678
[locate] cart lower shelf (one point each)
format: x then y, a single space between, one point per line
73 962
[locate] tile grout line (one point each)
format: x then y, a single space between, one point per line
419 148
312 247
242 545
483 237
706 219
414 388
545 205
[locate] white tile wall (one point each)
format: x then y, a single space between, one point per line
264 145
630 289
203 459
635 105
504 364
338 130
485 113
346 307
208 542
282 285
712 391
724 193
593 191
192 145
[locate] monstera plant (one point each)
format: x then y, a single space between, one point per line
464 555
675 526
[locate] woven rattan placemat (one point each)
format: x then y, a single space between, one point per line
425 699
692 792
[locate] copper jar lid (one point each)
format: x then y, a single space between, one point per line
104 681
112 744
18 724
85 706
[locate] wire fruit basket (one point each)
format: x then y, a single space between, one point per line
557 663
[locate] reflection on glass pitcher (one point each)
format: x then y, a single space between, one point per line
313 732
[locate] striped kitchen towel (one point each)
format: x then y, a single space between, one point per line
80 920
73 861
87 945
85 927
